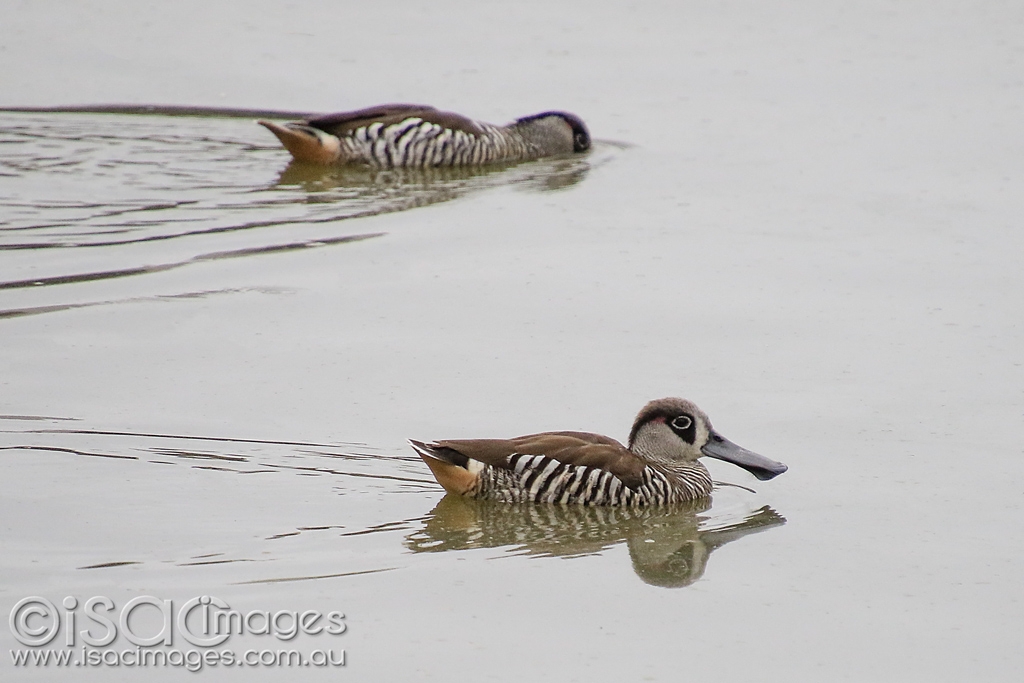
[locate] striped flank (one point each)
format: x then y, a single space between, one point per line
540 479
416 143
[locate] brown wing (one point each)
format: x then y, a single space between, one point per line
345 122
573 448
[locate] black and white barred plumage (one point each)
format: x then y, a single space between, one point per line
660 466
417 143
417 136
540 479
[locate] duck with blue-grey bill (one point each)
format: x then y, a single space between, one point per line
419 136
660 464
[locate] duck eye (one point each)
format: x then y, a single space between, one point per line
682 422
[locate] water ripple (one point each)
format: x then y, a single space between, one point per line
77 179
93 197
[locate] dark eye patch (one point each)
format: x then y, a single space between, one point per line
682 422
684 427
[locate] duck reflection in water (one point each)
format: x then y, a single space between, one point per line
669 546
435 184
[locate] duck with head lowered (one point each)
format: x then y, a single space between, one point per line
659 466
418 136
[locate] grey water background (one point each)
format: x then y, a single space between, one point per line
804 216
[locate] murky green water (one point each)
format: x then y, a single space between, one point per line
802 217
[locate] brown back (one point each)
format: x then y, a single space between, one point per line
581 449
342 123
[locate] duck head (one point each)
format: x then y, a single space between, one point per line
673 431
556 132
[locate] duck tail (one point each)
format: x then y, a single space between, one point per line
305 142
452 469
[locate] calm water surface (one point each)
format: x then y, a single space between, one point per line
805 218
